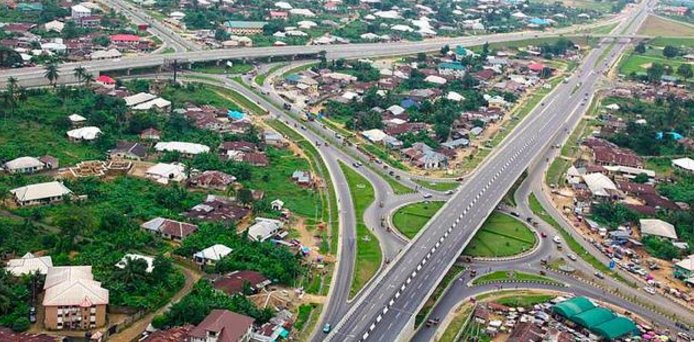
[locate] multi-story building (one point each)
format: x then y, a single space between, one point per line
73 300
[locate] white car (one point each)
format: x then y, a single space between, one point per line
649 290
572 257
556 239
426 195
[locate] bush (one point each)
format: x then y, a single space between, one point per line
21 324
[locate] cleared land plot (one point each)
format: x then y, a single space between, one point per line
655 26
500 236
412 217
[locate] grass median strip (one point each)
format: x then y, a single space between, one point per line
260 79
501 236
410 219
499 276
438 186
369 255
450 276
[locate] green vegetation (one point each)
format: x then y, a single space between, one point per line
241 101
557 170
16 296
604 29
498 276
655 26
524 300
500 236
368 249
260 79
236 68
680 42
438 186
510 197
193 308
303 315
452 274
398 188
410 219
298 69
457 324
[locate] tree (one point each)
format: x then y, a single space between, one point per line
245 196
221 35
655 72
9 57
445 49
70 30
641 178
102 40
685 71
79 73
51 73
670 51
640 48
421 57
12 94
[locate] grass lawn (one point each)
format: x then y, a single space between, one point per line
524 301
368 250
654 26
640 63
260 79
298 69
241 101
438 186
383 155
198 94
605 29
412 217
500 236
397 187
600 6
457 324
680 42
237 68
510 275
556 171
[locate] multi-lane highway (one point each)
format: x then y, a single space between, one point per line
33 76
386 311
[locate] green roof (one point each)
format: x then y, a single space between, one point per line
594 317
454 66
573 307
615 328
245 24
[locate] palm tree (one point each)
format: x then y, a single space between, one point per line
12 94
52 73
80 73
88 79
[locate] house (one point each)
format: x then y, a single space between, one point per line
217 208
50 162
600 185
234 282
125 39
175 334
29 264
274 139
54 25
6 334
165 173
255 159
453 69
106 81
73 299
222 326
79 11
40 193
374 135
170 229
105 54
277 204
210 255
302 177
130 257
264 228
457 143
244 28
138 98
129 150
685 268
76 120
424 157
88 133
684 164
150 134
435 79
184 148
24 165
211 179
659 228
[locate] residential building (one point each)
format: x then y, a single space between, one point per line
170 229
80 11
165 173
264 228
40 193
29 264
210 255
222 326
685 268
150 134
73 299
217 208
245 28
212 179
302 177
684 164
24 165
659 228
184 148
88 133
234 282
451 69
129 150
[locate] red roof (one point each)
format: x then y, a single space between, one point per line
536 66
228 326
125 38
105 80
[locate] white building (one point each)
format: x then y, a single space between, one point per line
29 264
80 11
654 227
185 148
88 133
264 228
165 173
686 164
210 255
40 193
24 165
129 257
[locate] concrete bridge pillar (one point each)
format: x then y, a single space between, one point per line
128 71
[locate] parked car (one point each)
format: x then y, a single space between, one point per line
426 195
449 192
599 275
326 328
543 234
572 257
649 290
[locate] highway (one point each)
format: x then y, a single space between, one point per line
33 76
386 311
138 16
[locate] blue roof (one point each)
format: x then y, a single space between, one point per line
293 78
408 102
461 50
673 135
235 114
539 21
